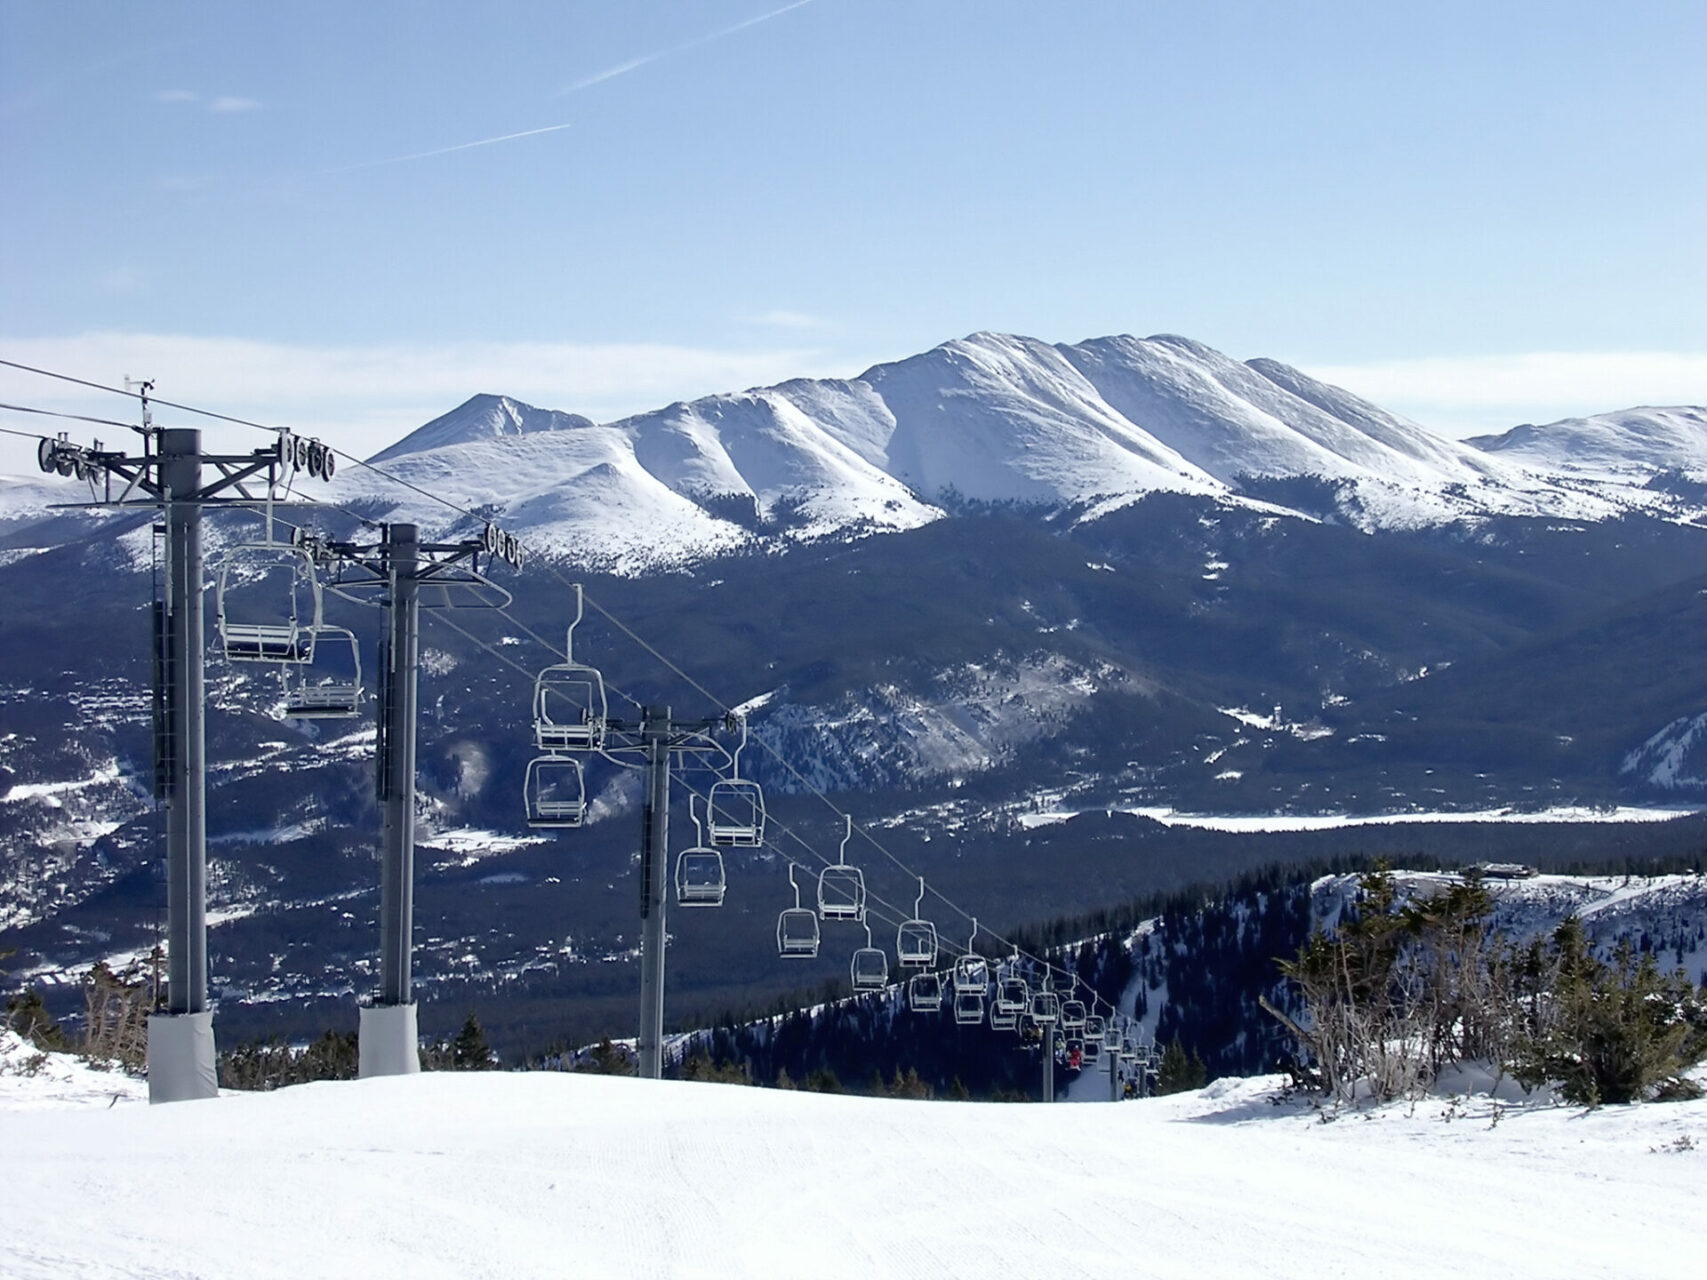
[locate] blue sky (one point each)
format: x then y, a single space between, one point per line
1477 214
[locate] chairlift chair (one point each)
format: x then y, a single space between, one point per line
1096 1027
735 812
1074 1054
1111 1035
1073 1015
1013 996
735 807
971 975
555 792
972 971
870 966
969 1008
841 888
278 632
1092 1050
924 992
700 879
915 939
1002 1018
796 927
1045 1008
569 710
330 683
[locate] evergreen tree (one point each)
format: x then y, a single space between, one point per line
469 1051
1179 1071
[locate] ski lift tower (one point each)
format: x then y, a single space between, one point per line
168 475
403 575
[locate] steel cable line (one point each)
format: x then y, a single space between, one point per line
55 413
615 621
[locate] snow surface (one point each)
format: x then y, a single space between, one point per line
1333 821
517 1175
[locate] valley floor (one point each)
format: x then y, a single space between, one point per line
518 1175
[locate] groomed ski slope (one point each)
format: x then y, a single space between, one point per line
519 1175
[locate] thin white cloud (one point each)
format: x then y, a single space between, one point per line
443 151
366 397
176 95
623 68
228 104
781 318
1464 395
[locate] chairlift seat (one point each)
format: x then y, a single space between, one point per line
972 976
569 711
1045 1008
924 993
1003 1019
1013 996
280 632
556 792
869 969
841 893
797 933
735 813
329 683
915 943
969 1008
1073 1015
1092 1051
700 878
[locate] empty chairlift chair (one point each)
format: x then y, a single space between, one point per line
735 807
924 992
267 602
569 711
869 969
1045 1008
700 878
329 684
1012 1000
556 792
915 939
796 927
1013 995
841 888
969 1008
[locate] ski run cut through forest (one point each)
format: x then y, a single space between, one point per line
547 1174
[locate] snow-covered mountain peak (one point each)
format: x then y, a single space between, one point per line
997 418
482 417
1630 443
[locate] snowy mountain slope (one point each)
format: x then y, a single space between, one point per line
1661 914
496 1174
1002 418
991 418
1631 444
482 417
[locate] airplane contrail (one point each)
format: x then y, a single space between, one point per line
444 151
623 68
599 77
